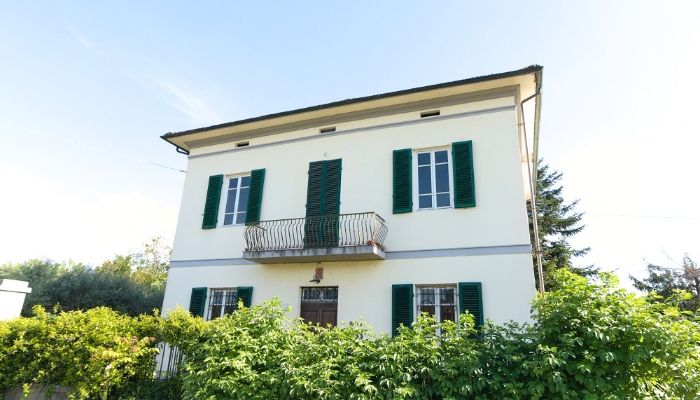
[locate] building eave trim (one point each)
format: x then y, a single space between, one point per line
510 74
360 129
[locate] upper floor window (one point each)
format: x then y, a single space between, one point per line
434 176
236 194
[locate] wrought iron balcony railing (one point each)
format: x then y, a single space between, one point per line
327 231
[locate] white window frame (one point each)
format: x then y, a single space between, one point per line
231 291
436 300
416 196
224 198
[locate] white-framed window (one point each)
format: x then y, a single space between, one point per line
222 301
439 301
433 179
235 199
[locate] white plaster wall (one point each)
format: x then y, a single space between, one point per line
499 218
365 287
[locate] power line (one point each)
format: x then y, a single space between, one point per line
93 146
644 216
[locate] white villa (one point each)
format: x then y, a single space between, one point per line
374 208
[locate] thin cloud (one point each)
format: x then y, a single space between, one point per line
78 35
189 104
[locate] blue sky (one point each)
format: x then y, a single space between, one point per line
87 88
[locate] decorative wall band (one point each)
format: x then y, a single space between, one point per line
459 252
212 262
360 129
390 255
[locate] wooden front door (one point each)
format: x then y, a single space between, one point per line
319 305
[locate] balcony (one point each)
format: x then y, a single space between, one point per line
343 237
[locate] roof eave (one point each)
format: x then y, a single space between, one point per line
171 137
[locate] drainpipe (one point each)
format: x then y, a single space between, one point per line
533 177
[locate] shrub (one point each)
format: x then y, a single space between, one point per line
589 341
600 341
96 353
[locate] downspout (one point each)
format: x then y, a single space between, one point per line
533 177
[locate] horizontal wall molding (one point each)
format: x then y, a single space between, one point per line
360 129
459 252
390 255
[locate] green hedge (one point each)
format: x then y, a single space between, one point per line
99 353
588 341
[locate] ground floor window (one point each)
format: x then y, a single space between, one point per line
438 301
221 302
319 305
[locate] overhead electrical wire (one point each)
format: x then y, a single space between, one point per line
98 148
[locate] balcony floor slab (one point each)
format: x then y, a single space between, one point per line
349 253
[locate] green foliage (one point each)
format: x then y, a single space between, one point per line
667 282
557 223
96 353
119 265
83 288
588 341
151 265
601 341
148 267
132 284
41 275
77 287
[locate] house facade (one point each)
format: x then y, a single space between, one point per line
376 208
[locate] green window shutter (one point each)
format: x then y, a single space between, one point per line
211 205
470 300
322 199
257 179
401 306
314 189
331 201
197 299
463 174
403 181
244 293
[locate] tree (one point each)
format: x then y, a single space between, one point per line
558 222
667 281
131 284
119 265
149 267
152 263
41 275
82 288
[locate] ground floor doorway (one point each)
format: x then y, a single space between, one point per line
319 305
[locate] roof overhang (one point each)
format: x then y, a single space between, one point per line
527 81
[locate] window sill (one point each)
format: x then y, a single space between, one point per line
435 208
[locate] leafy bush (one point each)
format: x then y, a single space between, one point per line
97 353
589 341
600 340
94 352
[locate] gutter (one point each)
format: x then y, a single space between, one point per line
533 176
